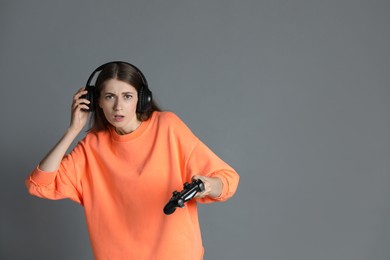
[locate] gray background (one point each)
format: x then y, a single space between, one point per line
293 94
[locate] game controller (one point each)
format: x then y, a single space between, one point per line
179 198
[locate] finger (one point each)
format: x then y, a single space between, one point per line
201 194
80 104
83 107
83 101
79 100
198 177
81 90
75 103
79 93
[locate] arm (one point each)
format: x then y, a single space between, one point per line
220 180
79 118
55 177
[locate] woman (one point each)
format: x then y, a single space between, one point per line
125 169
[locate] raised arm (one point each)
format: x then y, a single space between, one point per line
79 118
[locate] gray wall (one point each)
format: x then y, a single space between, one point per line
293 94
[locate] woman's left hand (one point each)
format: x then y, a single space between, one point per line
212 186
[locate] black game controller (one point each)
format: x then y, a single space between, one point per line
179 198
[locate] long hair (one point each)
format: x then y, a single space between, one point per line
123 72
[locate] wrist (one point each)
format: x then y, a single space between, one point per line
71 133
73 130
216 191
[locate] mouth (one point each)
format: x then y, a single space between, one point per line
118 118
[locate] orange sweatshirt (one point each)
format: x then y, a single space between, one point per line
124 181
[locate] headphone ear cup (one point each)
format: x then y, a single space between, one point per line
91 97
144 99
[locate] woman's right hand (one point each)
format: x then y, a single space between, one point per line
79 116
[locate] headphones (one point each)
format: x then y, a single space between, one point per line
144 94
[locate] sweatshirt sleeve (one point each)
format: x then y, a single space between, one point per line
63 183
203 161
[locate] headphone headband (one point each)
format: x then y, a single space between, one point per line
101 67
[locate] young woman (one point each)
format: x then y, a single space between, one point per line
125 169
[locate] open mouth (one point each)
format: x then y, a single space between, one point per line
118 118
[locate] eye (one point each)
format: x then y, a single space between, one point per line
127 96
109 97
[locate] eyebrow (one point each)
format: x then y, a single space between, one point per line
123 93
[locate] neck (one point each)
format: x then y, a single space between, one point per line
128 130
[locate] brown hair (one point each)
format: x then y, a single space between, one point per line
124 72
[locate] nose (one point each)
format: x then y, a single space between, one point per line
117 104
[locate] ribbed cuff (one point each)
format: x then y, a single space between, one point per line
42 178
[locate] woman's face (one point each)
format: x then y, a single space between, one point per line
118 100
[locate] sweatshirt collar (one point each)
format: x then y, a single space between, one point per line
133 135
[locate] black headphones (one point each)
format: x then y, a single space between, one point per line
144 94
